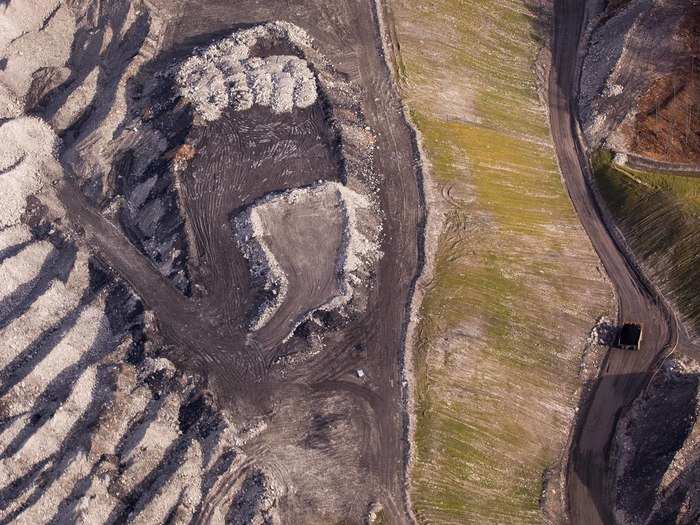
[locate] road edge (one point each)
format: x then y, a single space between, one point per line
427 235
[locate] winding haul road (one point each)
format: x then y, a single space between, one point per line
623 375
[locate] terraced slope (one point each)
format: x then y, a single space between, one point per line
658 215
92 430
515 287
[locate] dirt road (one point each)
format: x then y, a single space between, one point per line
624 374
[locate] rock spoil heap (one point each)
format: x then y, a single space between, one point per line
26 160
226 75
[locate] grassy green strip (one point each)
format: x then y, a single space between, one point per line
659 214
513 270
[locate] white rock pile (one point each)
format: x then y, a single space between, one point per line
225 75
26 162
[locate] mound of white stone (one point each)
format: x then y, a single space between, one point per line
225 75
26 159
264 267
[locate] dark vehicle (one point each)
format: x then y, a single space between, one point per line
629 336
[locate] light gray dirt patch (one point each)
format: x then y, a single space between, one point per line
301 235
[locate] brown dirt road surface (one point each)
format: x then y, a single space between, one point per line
623 374
334 442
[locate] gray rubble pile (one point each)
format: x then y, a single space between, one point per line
657 449
226 75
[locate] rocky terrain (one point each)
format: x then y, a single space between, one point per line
640 82
95 427
225 74
208 234
212 227
657 450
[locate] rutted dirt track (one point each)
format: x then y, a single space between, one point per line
334 441
624 374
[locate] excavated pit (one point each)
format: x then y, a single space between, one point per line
152 183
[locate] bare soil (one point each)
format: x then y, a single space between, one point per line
325 428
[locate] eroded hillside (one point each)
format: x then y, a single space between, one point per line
640 82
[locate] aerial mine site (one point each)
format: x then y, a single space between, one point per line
352 262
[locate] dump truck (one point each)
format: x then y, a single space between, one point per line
629 336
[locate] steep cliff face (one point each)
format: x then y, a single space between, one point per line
640 84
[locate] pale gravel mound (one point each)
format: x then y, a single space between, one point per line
153 439
89 335
362 250
74 470
13 236
21 16
90 438
10 107
27 163
60 298
225 75
179 493
33 35
20 270
90 155
77 101
48 439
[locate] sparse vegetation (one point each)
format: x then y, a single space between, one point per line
379 518
659 214
513 271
